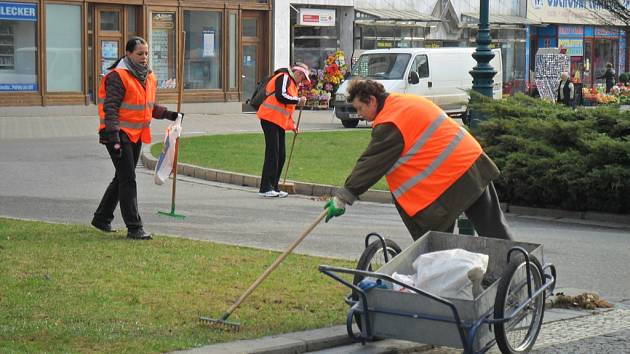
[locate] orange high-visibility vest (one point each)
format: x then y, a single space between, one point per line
275 112
437 151
136 109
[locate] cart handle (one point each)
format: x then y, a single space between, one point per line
329 270
381 239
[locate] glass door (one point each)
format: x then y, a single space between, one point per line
251 60
108 39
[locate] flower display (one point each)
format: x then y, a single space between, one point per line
326 81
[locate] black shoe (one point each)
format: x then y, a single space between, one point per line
103 227
139 234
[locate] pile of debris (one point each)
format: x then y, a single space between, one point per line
588 301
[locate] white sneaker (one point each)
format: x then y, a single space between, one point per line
282 194
269 194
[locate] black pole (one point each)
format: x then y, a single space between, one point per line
483 72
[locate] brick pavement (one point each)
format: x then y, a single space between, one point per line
603 332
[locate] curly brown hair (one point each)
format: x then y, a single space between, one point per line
363 89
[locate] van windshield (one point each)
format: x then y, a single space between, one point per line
381 66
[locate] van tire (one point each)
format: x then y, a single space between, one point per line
350 123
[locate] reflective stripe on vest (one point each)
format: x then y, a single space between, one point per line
275 112
136 108
437 151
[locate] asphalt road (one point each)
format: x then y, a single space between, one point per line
61 179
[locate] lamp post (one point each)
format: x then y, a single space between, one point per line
483 72
482 75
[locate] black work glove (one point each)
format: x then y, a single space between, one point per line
173 115
111 139
106 137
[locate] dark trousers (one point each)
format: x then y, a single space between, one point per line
274 156
485 214
122 188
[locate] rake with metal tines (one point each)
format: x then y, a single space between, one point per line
223 322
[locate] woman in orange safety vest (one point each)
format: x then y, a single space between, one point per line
434 168
276 116
126 105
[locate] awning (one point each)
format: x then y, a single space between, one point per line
473 18
393 15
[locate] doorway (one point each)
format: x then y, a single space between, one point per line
254 66
109 28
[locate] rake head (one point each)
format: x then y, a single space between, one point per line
221 323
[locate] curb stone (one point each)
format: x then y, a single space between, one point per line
323 190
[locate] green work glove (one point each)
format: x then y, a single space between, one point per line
335 207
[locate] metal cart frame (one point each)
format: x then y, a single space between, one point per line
424 317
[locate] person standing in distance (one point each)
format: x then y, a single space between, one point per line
276 117
434 168
126 105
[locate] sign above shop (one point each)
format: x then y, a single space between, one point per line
18 12
587 12
317 17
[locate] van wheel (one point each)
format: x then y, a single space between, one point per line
350 123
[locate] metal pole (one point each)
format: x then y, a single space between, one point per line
483 72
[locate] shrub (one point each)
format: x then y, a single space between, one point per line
555 157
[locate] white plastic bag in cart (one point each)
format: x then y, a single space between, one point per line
164 165
448 273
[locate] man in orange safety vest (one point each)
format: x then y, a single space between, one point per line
434 168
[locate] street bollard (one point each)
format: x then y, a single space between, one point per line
465 226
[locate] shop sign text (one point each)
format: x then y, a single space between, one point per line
18 12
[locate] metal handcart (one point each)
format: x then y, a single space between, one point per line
508 312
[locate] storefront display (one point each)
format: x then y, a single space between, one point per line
315 35
18 48
202 60
163 49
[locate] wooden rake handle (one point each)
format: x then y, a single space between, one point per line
275 264
297 127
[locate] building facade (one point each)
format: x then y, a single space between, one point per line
590 36
56 53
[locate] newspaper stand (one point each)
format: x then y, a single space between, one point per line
511 304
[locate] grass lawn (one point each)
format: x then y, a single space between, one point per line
70 288
318 157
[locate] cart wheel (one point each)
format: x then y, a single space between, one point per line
372 259
518 334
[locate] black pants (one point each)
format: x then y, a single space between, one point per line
122 188
485 214
275 154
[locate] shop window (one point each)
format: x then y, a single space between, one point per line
110 21
18 50
64 69
163 49
203 49
313 44
250 27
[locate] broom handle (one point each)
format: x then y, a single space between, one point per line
275 264
180 95
297 127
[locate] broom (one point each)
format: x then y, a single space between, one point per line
290 187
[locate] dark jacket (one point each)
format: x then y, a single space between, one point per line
609 76
568 94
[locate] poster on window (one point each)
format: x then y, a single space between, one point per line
208 44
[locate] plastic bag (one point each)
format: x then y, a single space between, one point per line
164 165
449 273
405 279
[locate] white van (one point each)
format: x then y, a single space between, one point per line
439 74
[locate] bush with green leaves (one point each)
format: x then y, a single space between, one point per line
552 156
